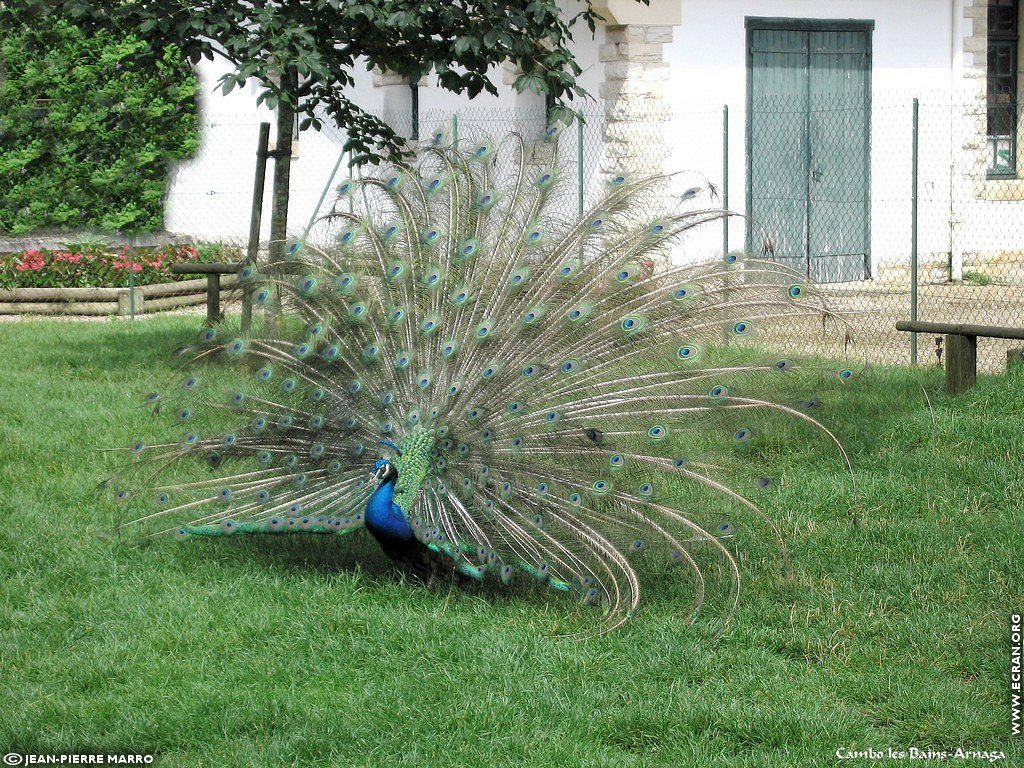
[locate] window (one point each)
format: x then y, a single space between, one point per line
1002 87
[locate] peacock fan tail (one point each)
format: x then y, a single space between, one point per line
491 387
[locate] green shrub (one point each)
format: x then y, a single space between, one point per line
977 278
87 135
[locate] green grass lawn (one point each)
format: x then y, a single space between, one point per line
316 652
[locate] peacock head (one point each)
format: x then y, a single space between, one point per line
384 471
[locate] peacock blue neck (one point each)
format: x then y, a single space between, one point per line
384 518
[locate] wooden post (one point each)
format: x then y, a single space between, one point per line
1014 357
961 363
280 187
130 302
256 217
213 297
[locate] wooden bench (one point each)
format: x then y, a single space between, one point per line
213 271
962 348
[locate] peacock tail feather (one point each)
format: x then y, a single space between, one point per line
558 400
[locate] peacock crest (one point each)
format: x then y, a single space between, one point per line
490 384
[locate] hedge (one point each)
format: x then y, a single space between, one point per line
87 135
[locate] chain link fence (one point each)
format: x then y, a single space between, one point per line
898 208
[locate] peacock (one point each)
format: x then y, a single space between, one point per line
492 386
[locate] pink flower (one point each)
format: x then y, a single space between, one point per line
31 260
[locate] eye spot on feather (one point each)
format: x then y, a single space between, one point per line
519 277
718 392
631 323
657 432
796 291
569 268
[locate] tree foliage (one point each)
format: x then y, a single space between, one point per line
327 40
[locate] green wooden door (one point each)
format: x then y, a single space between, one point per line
808 145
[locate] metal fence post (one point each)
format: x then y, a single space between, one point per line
725 180
455 130
913 229
579 164
131 277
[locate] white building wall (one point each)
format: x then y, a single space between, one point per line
210 195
